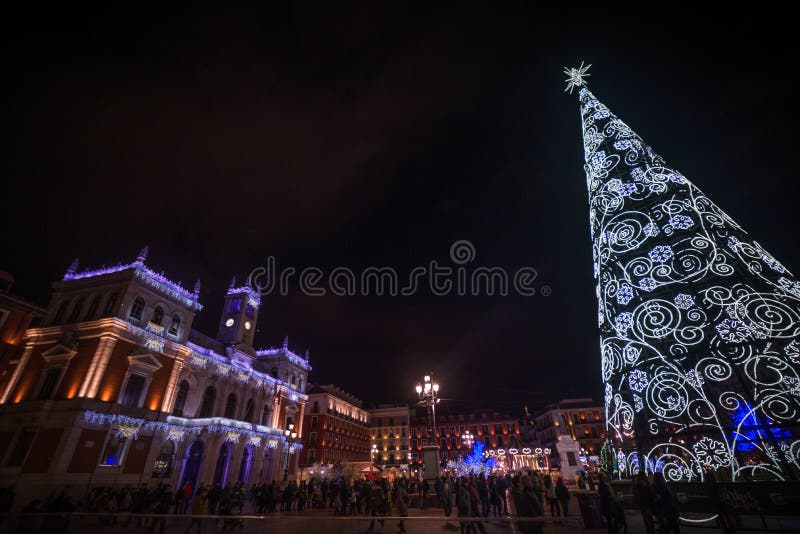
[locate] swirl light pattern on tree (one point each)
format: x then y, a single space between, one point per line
700 326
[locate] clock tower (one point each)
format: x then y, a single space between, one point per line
239 315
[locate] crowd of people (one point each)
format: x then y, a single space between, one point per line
524 495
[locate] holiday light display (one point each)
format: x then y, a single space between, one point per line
699 324
474 464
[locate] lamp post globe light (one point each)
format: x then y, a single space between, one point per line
290 438
467 439
374 453
428 393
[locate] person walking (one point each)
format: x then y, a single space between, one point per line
376 499
401 504
447 495
610 507
562 494
666 505
550 493
199 508
645 499
464 506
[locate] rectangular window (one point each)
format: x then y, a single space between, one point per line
21 447
441 431
114 450
413 443
49 382
451 430
484 430
312 456
443 443
498 428
313 422
510 428
571 458
312 438
133 391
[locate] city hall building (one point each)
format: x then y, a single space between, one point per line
116 388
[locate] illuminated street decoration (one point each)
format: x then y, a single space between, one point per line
699 324
475 463
151 278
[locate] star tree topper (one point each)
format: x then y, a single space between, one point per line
576 77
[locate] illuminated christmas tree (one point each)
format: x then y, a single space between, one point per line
699 325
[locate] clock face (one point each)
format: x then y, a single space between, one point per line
229 322
247 325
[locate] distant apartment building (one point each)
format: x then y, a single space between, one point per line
337 428
389 431
492 428
581 418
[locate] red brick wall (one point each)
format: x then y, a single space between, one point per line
84 459
78 367
158 387
115 372
137 455
42 451
30 376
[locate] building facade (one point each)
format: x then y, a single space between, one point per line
16 316
492 428
390 434
116 388
337 428
581 419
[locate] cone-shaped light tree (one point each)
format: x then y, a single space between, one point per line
699 325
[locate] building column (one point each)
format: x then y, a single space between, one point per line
21 364
98 366
169 397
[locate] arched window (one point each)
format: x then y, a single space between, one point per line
265 415
158 315
294 380
76 311
175 325
111 304
249 411
180 398
60 313
92 308
209 397
230 406
137 308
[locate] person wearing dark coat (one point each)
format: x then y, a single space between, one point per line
609 507
645 500
562 494
666 505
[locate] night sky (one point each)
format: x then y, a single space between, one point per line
378 135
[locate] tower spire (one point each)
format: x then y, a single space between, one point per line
142 255
196 291
73 268
690 309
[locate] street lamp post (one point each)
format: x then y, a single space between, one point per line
428 392
290 436
467 439
374 453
